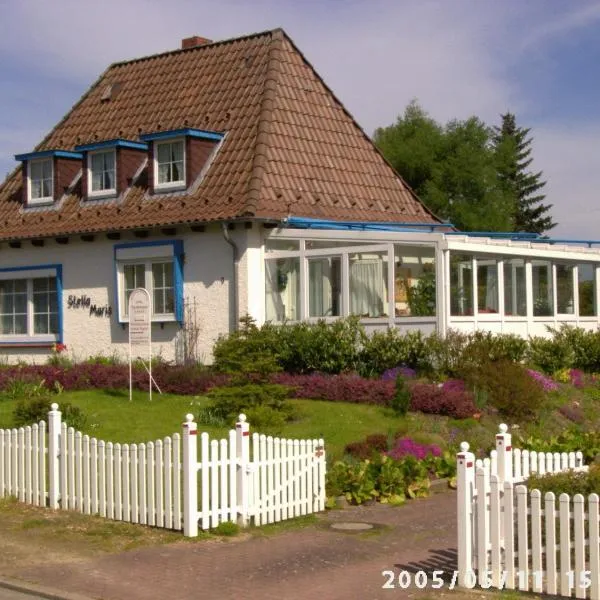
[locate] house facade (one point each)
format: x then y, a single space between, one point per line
227 179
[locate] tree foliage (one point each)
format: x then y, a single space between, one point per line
513 148
466 172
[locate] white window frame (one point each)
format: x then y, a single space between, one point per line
44 199
100 193
147 262
171 185
30 337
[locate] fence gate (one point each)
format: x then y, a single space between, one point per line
287 478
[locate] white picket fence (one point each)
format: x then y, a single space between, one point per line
165 483
508 540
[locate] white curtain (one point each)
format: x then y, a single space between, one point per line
367 289
320 300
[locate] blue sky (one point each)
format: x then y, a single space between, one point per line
458 58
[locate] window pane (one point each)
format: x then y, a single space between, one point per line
515 292
53 323
324 287
40 284
277 244
564 290
587 290
157 275
20 324
40 303
169 301
46 188
163 173
414 285
487 286
164 153
177 171
40 323
177 151
543 302
159 304
461 285
97 163
47 169
282 289
35 170
6 324
368 284
20 286
36 188
109 160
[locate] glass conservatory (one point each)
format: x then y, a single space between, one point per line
430 280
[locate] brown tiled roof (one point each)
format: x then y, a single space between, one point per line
290 147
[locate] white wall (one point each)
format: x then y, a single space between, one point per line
88 269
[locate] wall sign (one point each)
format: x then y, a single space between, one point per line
85 302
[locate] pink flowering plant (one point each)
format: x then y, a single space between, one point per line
548 384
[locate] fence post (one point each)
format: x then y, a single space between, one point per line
190 477
242 428
54 457
465 482
504 450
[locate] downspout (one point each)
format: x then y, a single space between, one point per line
236 258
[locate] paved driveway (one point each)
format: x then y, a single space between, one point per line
309 563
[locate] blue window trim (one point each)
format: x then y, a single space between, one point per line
178 279
197 133
49 153
59 297
116 143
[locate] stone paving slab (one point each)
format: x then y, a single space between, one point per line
312 562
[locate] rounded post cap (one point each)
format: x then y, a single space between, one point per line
242 418
189 418
54 406
464 446
503 428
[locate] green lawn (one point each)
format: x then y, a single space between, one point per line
112 417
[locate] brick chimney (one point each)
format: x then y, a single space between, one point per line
194 41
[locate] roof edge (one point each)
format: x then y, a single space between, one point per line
358 126
263 131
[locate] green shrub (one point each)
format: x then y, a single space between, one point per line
585 346
263 404
401 400
325 347
445 354
568 482
227 528
34 410
508 388
571 440
550 355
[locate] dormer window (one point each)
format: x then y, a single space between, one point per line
111 167
41 185
102 175
48 174
169 164
177 159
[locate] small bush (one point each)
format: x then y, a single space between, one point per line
28 412
401 399
338 388
227 528
373 444
431 399
572 440
509 388
264 405
568 482
550 355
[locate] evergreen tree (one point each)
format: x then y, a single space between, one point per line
513 152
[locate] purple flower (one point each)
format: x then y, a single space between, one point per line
407 446
547 384
577 378
403 370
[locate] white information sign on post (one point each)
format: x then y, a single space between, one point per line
140 333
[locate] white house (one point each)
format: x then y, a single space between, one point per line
227 179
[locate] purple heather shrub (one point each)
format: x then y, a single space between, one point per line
548 385
577 378
402 370
407 446
453 385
